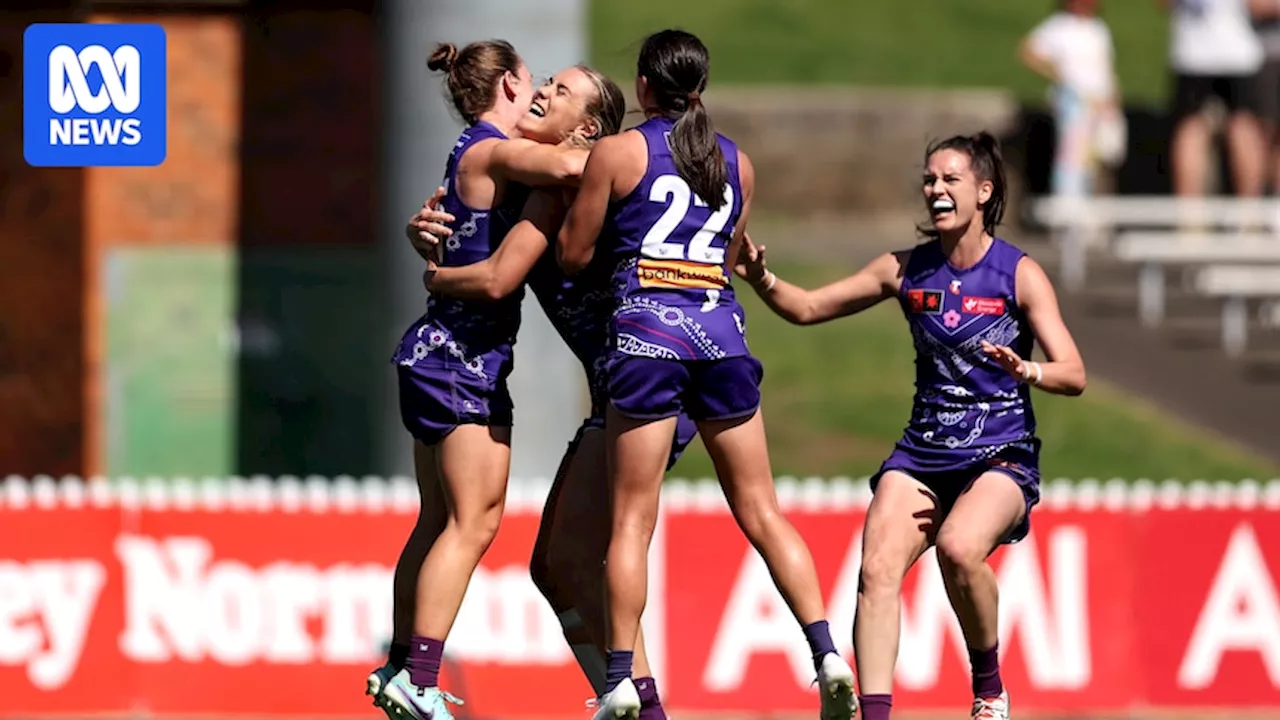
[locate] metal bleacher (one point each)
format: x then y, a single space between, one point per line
1230 248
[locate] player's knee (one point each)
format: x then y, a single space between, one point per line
478 526
959 551
554 570
882 572
540 573
759 517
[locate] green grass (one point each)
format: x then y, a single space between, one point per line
872 42
837 396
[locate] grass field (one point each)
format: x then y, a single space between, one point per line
866 42
837 396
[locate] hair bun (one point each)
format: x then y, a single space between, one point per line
442 57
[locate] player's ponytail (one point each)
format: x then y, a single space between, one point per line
676 64
988 164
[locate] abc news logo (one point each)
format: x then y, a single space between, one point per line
94 95
69 90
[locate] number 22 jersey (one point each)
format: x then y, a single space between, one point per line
671 276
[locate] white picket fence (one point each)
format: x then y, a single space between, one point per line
371 494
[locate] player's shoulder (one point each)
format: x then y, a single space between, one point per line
889 267
1025 266
926 250
503 145
494 150
1027 273
619 155
1010 254
625 145
745 168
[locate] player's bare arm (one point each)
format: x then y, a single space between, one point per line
1063 373
577 239
531 163
876 282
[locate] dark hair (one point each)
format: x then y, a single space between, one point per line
987 163
473 73
608 107
676 65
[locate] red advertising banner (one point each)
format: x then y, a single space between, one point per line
276 599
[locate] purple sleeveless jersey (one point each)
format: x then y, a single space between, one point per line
671 276
478 334
455 359
580 309
969 415
967 409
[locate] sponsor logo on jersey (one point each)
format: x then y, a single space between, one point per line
982 305
679 274
928 302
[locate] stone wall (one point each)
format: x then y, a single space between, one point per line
841 150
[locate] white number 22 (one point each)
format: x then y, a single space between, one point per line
673 189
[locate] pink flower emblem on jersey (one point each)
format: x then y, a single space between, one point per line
951 319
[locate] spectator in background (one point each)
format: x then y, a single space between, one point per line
1072 48
1215 52
1266 16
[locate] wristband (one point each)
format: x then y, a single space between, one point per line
773 279
1026 372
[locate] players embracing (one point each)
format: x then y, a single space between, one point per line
659 218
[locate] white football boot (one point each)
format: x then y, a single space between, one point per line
402 699
991 708
835 682
621 702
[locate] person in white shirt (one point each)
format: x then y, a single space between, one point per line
1215 52
1266 16
1072 48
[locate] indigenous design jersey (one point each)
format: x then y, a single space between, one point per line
580 309
478 335
671 276
967 408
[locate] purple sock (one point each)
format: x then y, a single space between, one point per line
819 636
875 707
986 672
398 656
650 703
619 668
424 661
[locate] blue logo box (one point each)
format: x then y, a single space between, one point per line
94 95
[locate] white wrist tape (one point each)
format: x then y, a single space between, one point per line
773 279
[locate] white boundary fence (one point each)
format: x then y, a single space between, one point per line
370 494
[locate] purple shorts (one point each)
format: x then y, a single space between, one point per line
686 431
434 401
649 388
1022 465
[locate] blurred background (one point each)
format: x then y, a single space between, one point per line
233 311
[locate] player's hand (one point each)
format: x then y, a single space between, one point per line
429 227
1008 359
750 265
